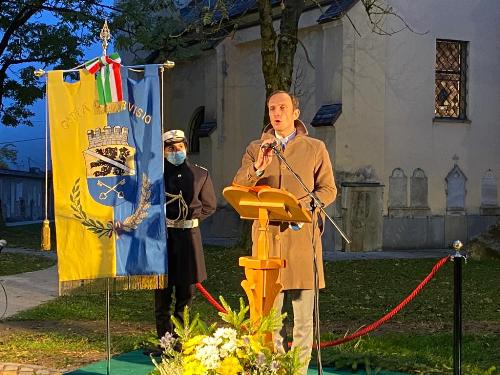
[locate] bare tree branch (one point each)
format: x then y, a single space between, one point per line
378 11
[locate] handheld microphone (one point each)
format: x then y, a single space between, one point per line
267 145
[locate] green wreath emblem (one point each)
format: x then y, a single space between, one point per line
95 226
128 225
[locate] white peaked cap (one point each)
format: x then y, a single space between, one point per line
174 136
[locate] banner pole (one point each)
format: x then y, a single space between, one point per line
108 330
457 308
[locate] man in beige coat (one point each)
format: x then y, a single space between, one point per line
309 158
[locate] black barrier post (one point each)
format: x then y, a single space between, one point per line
457 308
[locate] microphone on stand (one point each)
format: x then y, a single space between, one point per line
268 145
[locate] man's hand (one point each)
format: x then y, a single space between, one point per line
265 156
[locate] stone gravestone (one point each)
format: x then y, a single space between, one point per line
397 188
489 194
362 211
398 201
489 189
455 220
455 190
419 193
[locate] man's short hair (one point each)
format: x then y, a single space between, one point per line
295 100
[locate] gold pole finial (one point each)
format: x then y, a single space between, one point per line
105 36
457 245
168 64
39 72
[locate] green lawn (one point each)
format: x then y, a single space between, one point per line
26 236
11 263
417 340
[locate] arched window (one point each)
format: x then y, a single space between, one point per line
195 123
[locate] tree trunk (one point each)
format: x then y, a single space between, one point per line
277 58
268 50
287 42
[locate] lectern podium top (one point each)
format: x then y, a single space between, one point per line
280 204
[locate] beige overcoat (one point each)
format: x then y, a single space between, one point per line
310 160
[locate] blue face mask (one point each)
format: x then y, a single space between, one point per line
177 157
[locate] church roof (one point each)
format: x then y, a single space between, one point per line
336 9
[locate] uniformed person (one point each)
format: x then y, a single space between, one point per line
190 198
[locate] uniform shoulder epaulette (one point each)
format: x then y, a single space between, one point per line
199 166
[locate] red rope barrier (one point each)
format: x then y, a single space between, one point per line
366 329
209 298
393 312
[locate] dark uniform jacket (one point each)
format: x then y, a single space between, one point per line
186 263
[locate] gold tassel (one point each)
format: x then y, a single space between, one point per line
46 236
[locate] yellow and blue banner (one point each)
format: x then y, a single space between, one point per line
108 179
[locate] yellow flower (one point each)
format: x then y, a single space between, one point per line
192 366
255 345
240 353
189 346
229 366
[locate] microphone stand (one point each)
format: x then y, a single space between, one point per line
316 202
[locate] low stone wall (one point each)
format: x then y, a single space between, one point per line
432 232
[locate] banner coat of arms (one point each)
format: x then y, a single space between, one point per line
108 179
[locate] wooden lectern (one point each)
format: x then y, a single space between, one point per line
264 204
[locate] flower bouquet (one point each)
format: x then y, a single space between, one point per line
238 348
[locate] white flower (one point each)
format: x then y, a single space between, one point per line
208 355
211 341
226 333
228 348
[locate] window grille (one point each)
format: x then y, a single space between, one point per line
451 80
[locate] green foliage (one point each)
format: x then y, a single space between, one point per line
241 347
40 34
148 25
92 225
8 153
188 327
272 322
236 319
291 361
155 31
